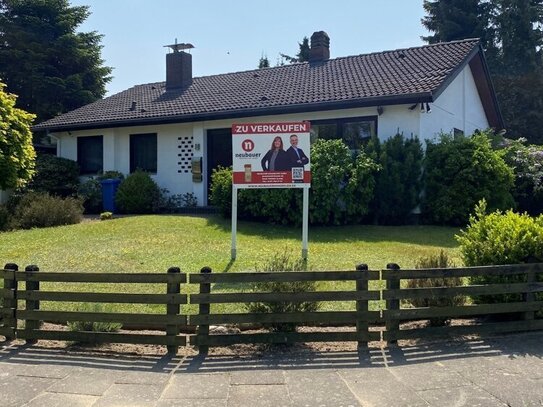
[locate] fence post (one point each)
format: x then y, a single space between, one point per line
10 304
529 297
204 309
32 305
173 309
362 326
392 325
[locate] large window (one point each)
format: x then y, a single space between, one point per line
143 152
355 131
90 154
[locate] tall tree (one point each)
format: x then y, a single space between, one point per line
511 35
303 53
264 62
16 151
44 60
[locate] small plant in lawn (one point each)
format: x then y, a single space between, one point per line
106 216
277 264
435 261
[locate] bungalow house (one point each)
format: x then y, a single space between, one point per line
180 129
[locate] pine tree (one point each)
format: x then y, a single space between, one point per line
303 54
264 62
44 60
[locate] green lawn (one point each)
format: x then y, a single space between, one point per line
154 243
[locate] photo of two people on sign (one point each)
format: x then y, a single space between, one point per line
277 159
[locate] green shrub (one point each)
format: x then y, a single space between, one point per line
138 193
39 210
4 218
461 171
501 238
90 192
398 183
87 326
282 263
527 164
435 261
106 216
221 190
55 176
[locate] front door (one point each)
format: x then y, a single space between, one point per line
219 152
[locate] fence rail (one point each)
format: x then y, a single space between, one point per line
21 316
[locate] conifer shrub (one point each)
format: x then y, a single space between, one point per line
55 176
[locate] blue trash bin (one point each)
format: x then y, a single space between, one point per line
109 189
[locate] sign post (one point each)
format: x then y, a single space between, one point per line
271 155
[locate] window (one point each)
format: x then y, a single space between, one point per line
143 152
90 154
355 132
457 133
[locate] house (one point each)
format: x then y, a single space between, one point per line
180 129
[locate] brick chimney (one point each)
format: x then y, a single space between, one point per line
320 47
178 66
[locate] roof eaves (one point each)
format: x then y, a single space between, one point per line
233 114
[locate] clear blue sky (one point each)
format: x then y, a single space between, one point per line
231 35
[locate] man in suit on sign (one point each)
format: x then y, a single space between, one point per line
296 156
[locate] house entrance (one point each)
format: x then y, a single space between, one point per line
219 151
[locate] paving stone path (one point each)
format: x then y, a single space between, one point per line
503 371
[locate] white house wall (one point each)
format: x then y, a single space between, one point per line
459 106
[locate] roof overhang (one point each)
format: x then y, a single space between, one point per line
235 114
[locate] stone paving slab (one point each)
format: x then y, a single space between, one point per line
92 382
197 386
130 395
18 390
260 395
472 396
62 400
257 377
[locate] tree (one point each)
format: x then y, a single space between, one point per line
264 62
44 60
512 36
16 151
303 53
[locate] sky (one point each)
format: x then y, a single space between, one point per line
232 35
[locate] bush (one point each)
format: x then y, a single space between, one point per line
39 210
527 164
398 183
501 238
55 176
138 193
106 216
4 218
282 263
87 326
461 171
341 187
221 190
435 261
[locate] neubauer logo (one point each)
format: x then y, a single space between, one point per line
248 145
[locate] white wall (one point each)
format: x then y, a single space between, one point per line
458 106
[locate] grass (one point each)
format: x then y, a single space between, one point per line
155 243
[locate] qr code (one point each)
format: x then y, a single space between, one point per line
297 174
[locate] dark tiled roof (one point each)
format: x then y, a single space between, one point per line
380 78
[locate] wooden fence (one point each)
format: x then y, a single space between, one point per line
21 314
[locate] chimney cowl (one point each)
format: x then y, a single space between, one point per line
320 47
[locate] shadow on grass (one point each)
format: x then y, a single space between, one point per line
420 235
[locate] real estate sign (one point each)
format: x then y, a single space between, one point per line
271 155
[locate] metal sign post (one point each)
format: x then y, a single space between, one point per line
271 155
